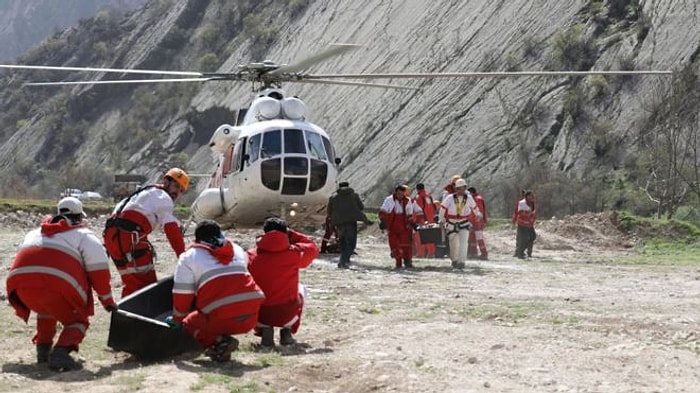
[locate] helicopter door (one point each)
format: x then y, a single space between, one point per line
233 161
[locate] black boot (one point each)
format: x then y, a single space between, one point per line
268 336
42 353
286 337
60 360
221 351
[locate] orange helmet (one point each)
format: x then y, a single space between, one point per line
455 178
180 177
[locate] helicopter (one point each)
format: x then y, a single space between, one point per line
273 161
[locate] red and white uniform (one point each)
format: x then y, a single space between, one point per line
398 216
216 284
53 274
423 212
275 264
455 212
447 190
128 244
476 233
524 214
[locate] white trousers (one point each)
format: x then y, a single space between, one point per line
459 247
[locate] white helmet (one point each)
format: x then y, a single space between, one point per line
460 183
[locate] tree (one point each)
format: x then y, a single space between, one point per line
670 144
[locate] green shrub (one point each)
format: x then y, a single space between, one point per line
573 50
208 62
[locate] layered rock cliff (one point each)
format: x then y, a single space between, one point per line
501 134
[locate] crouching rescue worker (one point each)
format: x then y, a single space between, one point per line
134 218
214 295
54 273
397 214
456 217
274 263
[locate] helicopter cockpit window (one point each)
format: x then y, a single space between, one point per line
238 155
294 141
254 148
329 149
315 144
272 144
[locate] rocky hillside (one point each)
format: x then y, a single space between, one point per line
581 136
24 23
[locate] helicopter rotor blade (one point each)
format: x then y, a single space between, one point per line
114 82
497 74
93 69
334 50
352 83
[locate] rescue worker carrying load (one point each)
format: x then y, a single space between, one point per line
457 215
214 295
423 213
133 219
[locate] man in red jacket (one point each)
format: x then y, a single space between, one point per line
274 263
476 232
53 274
127 229
396 213
212 279
423 213
524 218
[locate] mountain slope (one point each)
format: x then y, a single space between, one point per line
24 24
500 133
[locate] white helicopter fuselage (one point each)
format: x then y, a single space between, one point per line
276 167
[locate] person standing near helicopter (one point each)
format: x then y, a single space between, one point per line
396 213
134 218
424 213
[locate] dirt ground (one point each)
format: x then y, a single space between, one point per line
571 319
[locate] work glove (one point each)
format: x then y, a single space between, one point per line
112 307
172 323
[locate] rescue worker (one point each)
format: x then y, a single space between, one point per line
450 187
423 213
53 274
133 219
456 217
396 213
476 233
524 217
212 279
345 208
329 230
275 263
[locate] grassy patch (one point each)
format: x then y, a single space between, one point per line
659 230
48 206
664 253
271 359
231 383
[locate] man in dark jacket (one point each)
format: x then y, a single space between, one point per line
345 209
